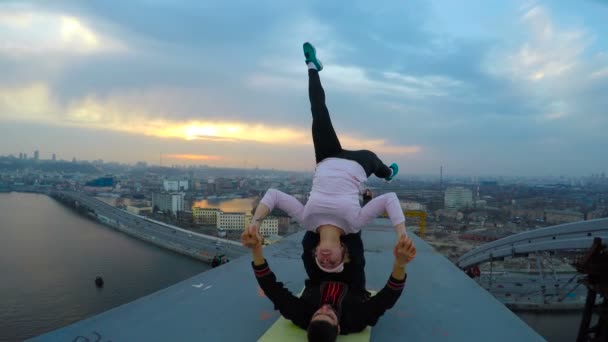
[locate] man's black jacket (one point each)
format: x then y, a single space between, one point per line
354 310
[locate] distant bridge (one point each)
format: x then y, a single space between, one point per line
563 237
542 287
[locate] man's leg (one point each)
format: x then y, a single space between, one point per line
323 134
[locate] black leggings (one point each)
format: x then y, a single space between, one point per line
325 138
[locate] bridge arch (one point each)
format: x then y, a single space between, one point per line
569 236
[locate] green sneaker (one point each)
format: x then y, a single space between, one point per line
311 56
395 168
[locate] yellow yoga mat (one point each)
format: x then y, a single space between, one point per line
284 330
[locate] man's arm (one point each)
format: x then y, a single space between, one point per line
404 252
290 306
377 305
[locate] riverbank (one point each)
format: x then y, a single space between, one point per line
209 249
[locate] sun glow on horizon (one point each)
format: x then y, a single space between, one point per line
193 157
37 103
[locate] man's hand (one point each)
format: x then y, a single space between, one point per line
250 238
404 251
253 240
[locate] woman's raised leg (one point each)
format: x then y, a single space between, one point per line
324 136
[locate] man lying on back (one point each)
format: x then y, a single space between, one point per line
331 308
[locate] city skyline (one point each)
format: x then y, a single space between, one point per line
440 175
515 89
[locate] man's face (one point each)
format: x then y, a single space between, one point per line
326 313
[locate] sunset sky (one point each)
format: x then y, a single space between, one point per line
481 87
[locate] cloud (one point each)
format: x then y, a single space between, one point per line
33 32
125 114
356 80
413 79
599 74
554 66
547 51
30 101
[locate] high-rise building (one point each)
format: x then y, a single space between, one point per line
172 202
20 155
54 157
36 155
457 197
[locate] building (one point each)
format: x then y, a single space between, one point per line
410 205
284 223
481 203
139 209
238 222
205 215
232 221
528 214
175 185
270 226
36 155
449 214
102 184
222 185
185 217
210 187
457 197
563 216
166 201
598 213
54 157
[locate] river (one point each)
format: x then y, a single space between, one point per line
230 205
50 256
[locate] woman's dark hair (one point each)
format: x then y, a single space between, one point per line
366 197
322 331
